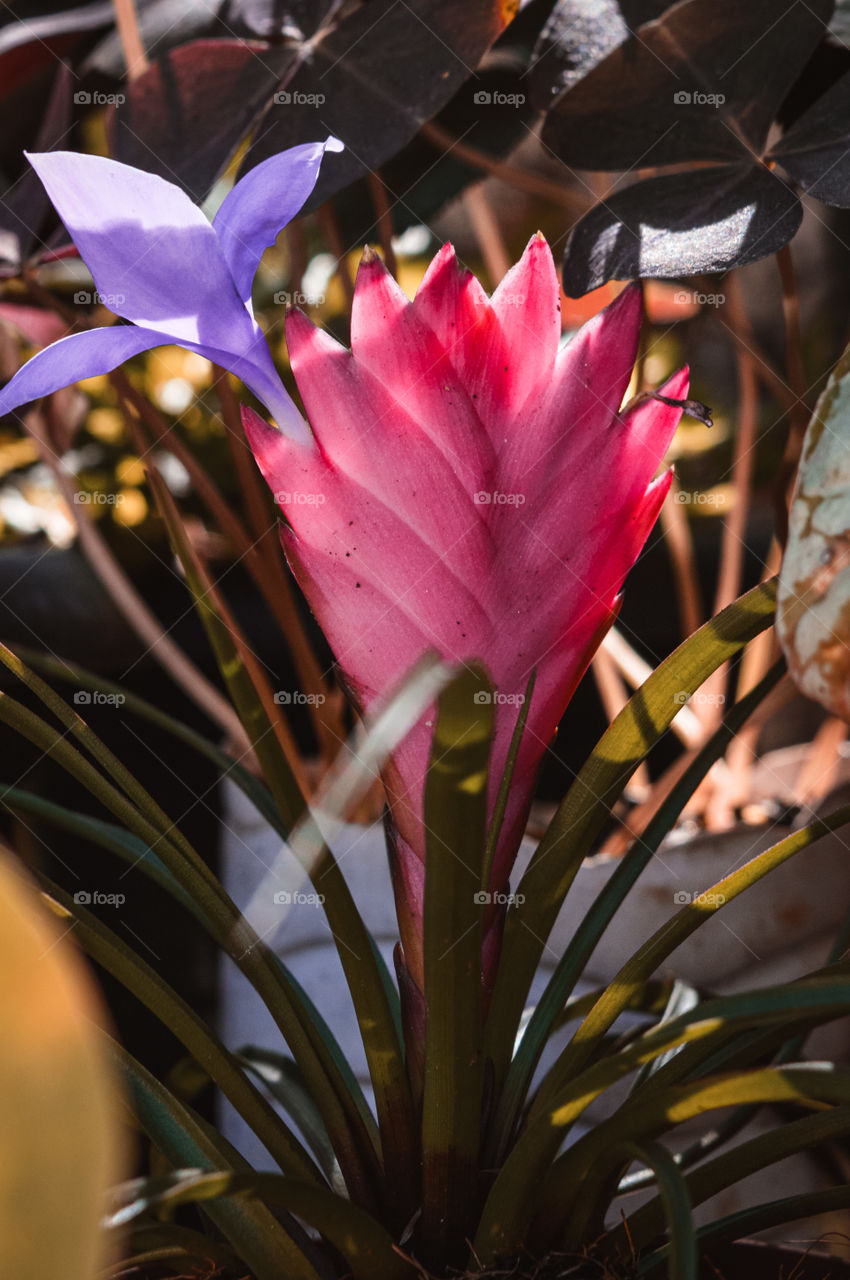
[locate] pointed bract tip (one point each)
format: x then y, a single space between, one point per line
334 144
368 256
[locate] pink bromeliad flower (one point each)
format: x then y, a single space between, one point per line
469 488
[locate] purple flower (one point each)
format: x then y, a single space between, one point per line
157 262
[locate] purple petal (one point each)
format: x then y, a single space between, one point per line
81 355
262 203
153 255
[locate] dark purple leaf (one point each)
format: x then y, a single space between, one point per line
680 225
426 174
579 35
816 151
184 118
24 205
703 82
375 77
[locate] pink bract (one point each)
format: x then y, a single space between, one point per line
471 488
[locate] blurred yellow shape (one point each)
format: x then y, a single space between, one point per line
58 1099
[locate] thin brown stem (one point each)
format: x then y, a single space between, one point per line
127 22
330 230
487 232
577 203
325 707
680 546
146 625
799 413
710 699
378 192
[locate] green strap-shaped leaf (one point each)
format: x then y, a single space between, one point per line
583 813
455 815
366 1247
787 1139
503 794
683 1256
285 1083
667 938
569 1199
68 672
355 946
188 1027
186 1140
141 858
306 1037
761 1217
571 965
515 1194
130 848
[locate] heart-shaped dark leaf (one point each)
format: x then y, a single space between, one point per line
374 78
31 49
816 151
703 82
184 117
680 225
577 37
489 113
24 204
